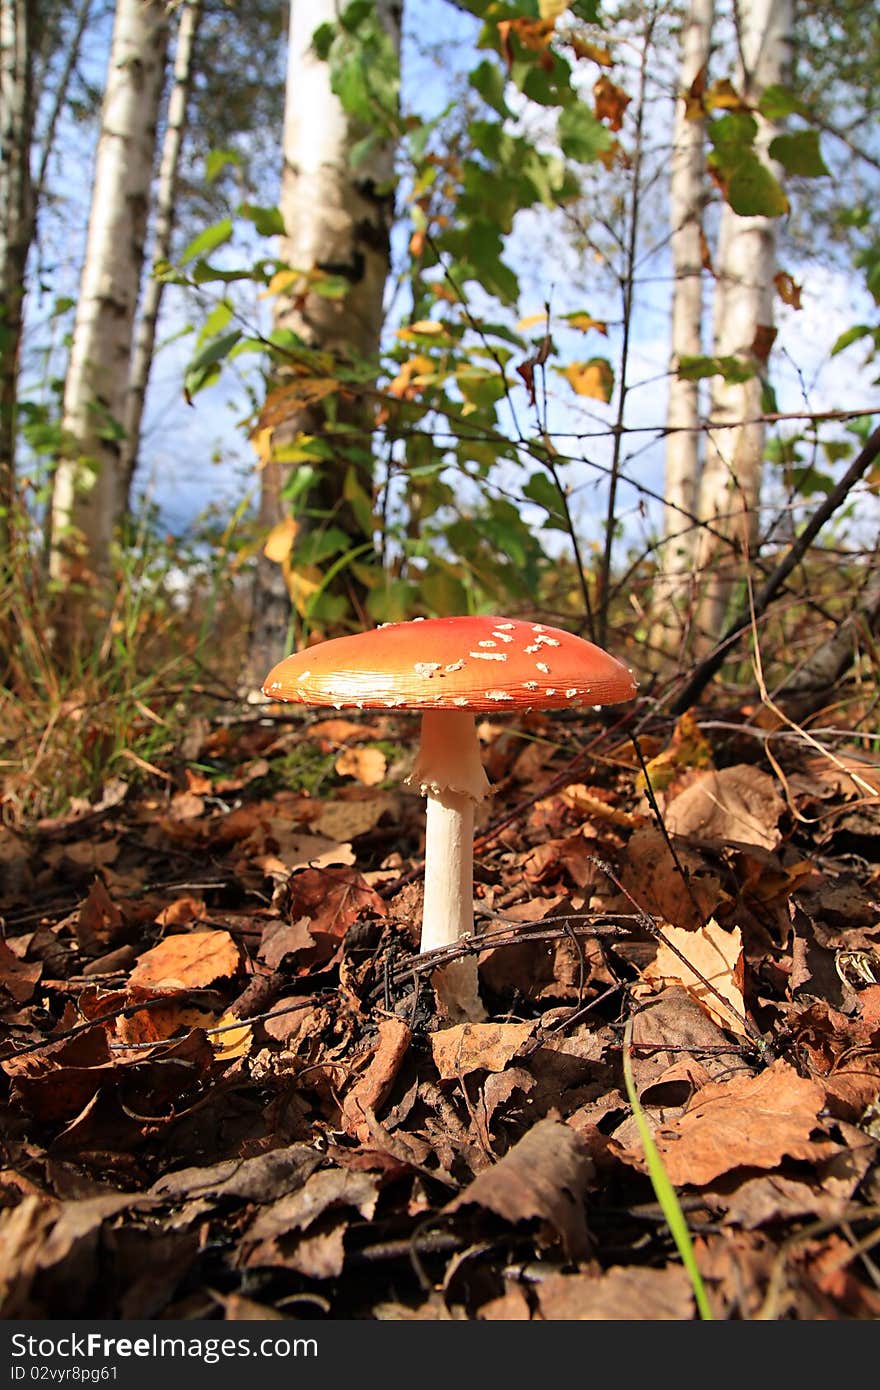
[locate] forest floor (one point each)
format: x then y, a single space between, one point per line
230 1088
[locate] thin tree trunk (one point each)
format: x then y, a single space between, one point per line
16 228
687 196
87 482
730 486
145 337
337 217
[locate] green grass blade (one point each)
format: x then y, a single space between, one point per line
663 1188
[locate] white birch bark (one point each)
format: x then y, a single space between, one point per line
86 489
687 195
730 486
163 226
16 226
336 217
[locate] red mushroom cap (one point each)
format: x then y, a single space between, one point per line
477 664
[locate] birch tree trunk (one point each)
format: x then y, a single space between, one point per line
145 336
687 196
16 227
87 479
730 486
337 217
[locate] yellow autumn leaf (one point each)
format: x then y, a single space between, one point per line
552 9
281 281
585 322
303 582
531 321
262 442
234 1043
423 328
280 540
723 96
594 378
583 48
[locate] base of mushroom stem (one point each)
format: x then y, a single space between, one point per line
456 991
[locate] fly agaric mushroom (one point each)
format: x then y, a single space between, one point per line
451 669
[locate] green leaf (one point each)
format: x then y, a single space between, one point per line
851 335
217 160
807 481
216 321
769 403
208 240
581 136
489 80
298 484
799 154
732 136
837 449
359 501
393 602
777 102
317 546
322 40
732 369
202 366
268 221
752 191
544 491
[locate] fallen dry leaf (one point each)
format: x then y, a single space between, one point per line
17 977
718 957
652 876
345 820
748 1122
368 765
372 1088
618 1295
477 1047
542 1177
192 960
737 803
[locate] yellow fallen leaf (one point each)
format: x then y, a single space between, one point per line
234 1043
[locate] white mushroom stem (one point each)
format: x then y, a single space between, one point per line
450 774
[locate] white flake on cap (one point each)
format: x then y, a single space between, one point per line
570 694
303 676
489 656
504 627
487 642
454 666
530 685
426 669
497 695
542 666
